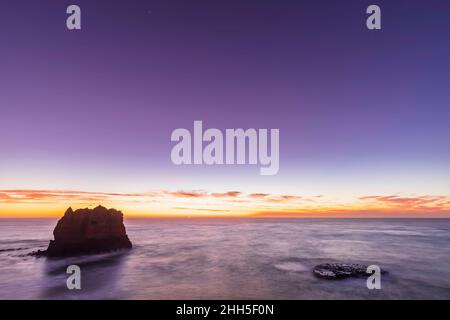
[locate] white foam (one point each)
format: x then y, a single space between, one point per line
291 266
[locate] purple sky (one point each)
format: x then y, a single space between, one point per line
359 111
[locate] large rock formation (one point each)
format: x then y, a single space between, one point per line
88 231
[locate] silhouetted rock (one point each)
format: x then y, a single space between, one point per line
340 270
88 231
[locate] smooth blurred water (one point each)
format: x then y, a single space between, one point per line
235 259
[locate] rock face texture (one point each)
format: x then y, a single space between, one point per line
88 231
340 270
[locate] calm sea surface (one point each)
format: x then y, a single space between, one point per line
234 259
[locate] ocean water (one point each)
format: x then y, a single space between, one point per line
234 259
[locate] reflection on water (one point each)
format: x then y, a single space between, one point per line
100 276
234 258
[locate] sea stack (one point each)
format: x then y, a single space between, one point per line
88 231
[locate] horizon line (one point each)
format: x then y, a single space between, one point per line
48 203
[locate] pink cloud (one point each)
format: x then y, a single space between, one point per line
409 201
230 194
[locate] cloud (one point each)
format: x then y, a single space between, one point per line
282 198
412 202
31 196
290 197
231 194
374 206
34 196
186 194
258 195
352 213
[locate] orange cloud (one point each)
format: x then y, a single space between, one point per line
230 194
258 195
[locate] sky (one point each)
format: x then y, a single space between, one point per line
86 115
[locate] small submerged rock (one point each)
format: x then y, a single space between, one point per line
340 270
87 231
12 249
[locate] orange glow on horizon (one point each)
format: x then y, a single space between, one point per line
53 203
